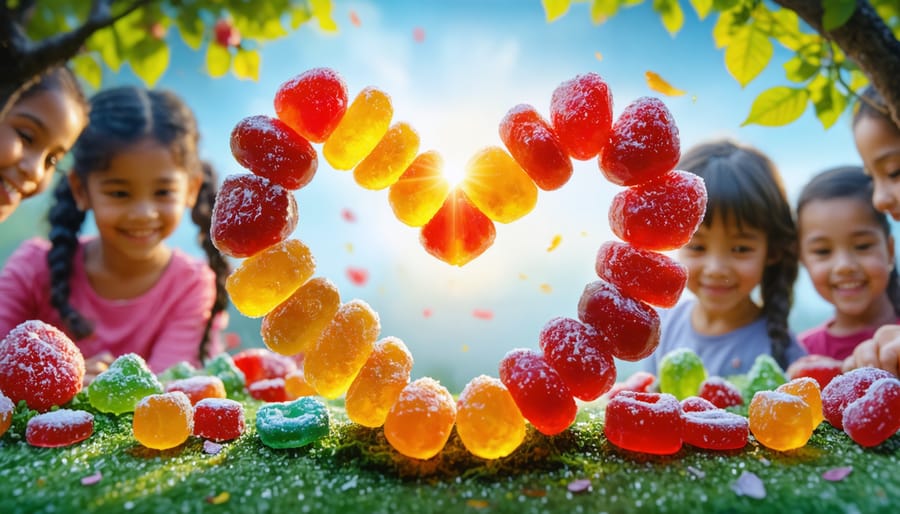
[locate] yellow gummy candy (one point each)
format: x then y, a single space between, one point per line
296 324
394 153
419 423
498 186
421 190
359 131
379 383
343 349
268 278
488 421
163 421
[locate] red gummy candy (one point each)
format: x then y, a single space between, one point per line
875 416
643 143
696 404
845 389
630 326
661 214
534 145
644 422
260 363
312 103
251 214
645 275
62 427
715 429
821 368
269 148
581 114
639 381
459 232
41 365
269 390
198 387
538 390
720 392
580 355
218 419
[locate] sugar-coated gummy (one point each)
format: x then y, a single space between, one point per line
764 375
296 385
123 384
420 191
292 424
580 355
808 389
296 324
639 381
198 387
458 232
715 429
697 404
270 148
643 143
538 390
251 214
62 427
780 421
419 423
7 409
163 421
222 366
821 368
875 416
535 146
630 325
488 421
390 158
498 186
720 392
581 114
181 369
645 275
681 372
359 131
264 280
312 103
269 390
644 422
219 419
379 383
261 363
846 388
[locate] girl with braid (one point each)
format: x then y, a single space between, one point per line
847 248
136 168
747 240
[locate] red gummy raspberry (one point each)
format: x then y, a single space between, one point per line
41 365
645 275
696 404
251 214
644 422
720 392
630 326
534 145
821 368
872 418
639 381
261 363
580 355
269 390
661 214
715 429
218 419
643 143
581 114
845 389
538 390
269 148
458 232
312 103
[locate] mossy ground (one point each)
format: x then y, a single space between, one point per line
354 470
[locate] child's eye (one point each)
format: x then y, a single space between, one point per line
165 192
25 136
117 193
742 249
694 247
894 175
864 246
820 252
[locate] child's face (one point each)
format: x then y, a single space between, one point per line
847 255
724 264
138 201
878 143
35 134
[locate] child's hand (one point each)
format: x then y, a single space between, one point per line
96 365
882 351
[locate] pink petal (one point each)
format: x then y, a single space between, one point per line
748 484
579 486
212 448
91 479
837 474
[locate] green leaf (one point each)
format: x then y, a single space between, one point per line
798 69
190 26
246 64
725 5
671 13
555 9
86 66
104 42
602 10
218 60
149 60
321 10
837 12
777 106
727 25
828 101
702 7
299 15
748 54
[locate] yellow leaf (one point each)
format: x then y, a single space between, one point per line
218 60
87 67
748 53
321 10
546 288
598 56
555 9
554 243
246 64
659 84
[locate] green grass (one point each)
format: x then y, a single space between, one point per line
354 470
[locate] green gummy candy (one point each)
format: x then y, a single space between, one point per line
764 375
222 366
681 373
292 424
177 371
123 385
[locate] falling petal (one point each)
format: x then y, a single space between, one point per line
534 493
219 498
748 484
699 473
478 504
659 84
598 56
584 233
523 276
357 276
91 479
348 215
555 242
232 340
354 19
546 288
465 348
837 474
426 312
349 247
211 448
582 485
484 314
418 34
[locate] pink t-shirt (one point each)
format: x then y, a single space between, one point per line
164 325
818 341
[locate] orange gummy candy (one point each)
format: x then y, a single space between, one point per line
359 131
459 232
346 343
420 191
379 382
295 385
387 162
498 186
266 279
163 421
419 423
488 421
294 326
808 389
780 421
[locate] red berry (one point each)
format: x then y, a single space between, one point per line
269 148
720 392
580 355
227 34
643 144
661 214
872 418
630 326
845 389
251 214
644 422
534 145
312 103
821 368
538 391
645 275
581 114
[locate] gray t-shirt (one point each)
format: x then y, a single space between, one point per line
723 355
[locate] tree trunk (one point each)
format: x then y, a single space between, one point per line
867 40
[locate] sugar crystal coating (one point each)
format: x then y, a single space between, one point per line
266 279
198 387
720 392
218 419
419 423
581 114
487 419
538 390
312 103
535 146
643 143
163 421
123 384
270 390
379 382
251 214
7 409
390 158
292 424
296 324
808 389
780 421
846 388
631 326
269 148
62 427
875 416
819 367
645 275
580 355
715 429
681 373
644 422
261 363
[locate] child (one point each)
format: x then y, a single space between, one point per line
747 240
38 130
848 251
136 166
877 140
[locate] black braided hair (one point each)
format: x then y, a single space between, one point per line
851 182
744 185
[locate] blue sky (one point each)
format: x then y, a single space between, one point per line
477 60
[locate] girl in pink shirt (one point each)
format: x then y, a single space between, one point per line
136 167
